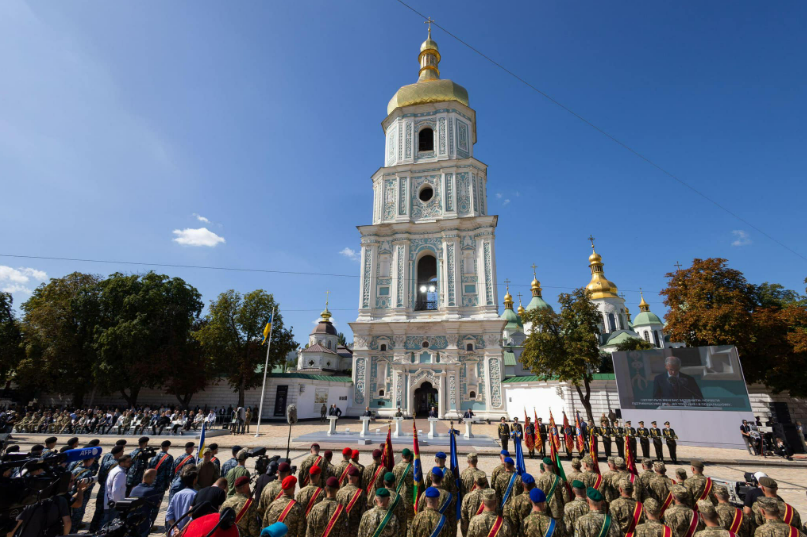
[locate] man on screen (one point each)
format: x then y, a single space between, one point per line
672 384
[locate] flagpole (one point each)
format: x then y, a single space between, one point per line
265 368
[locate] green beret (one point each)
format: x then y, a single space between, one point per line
577 484
406 452
547 460
389 477
594 495
381 492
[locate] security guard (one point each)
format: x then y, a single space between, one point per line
655 434
670 437
504 433
644 439
630 432
606 432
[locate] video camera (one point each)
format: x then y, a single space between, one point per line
132 513
146 453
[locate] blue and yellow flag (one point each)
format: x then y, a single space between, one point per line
201 443
455 470
267 330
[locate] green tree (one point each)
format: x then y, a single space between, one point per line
185 382
232 335
768 295
11 349
564 345
58 325
634 344
144 334
341 339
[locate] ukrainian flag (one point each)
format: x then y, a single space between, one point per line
201 443
267 330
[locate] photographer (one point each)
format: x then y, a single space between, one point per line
140 456
84 474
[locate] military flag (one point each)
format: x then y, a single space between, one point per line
420 486
529 439
553 433
553 454
388 457
592 451
455 471
630 457
267 330
567 437
520 466
201 443
581 442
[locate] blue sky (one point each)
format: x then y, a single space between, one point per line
123 122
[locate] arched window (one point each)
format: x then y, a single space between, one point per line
383 347
426 283
472 395
656 338
646 336
469 347
381 393
426 139
329 344
611 322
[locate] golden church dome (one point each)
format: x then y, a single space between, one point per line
599 286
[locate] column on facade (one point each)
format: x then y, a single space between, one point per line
399 398
368 283
452 280
400 260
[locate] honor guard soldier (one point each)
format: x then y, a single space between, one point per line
447 477
135 474
538 523
503 454
596 523
630 433
568 433
576 508
655 435
541 436
380 521
286 510
576 472
328 516
644 439
396 502
472 502
626 511
619 437
529 432
405 471
508 483
732 518
429 522
246 516
313 459
446 504
516 428
681 519
520 507
670 437
659 486
373 477
709 517
504 433
652 526
553 486
340 472
469 475
606 432
488 523
313 493
787 513
773 525
699 486
353 499
163 463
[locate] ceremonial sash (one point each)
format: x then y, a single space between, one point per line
443 507
334 518
243 511
159 463
437 528
510 489
279 495
667 531
693 525
597 482
182 463
313 500
344 474
707 488
606 525
667 501
353 500
632 478
552 489
481 507
307 477
787 516
551 529
737 521
496 526
373 480
285 512
383 523
637 514
794 532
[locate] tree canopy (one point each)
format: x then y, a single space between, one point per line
11 349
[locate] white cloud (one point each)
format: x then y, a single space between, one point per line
498 195
350 253
505 202
17 280
197 237
741 238
201 218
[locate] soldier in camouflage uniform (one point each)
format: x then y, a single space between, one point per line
678 517
472 502
726 512
623 507
312 492
339 471
576 508
373 477
651 527
396 502
328 469
447 503
659 485
644 477
482 523
773 525
696 484
520 506
593 523
606 480
294 517
537 523
429 518
22 424
499 467
406 470
680 476
468 476
308 462
273 490
503 481
448 477
354 460
371 520
248 524
322 513
553 487
346 494
769 488
575 474
588 477
711 521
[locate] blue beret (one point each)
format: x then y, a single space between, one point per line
437 471
278 529
504 452
527 479
508 460
440 455
432 492
537 495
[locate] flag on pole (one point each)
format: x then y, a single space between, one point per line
520 466
267 330
418 473
592 450
537 436
455 471
201 443
581 442
566 436
553 433
388 458
529 439
553 454
630 457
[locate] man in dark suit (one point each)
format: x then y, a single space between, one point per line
433 413
672 384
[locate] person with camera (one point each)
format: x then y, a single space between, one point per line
182 500
115 488
140 457
153 498
230 463
82 474
51 516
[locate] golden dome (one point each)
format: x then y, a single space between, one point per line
429 88
643 306
599 286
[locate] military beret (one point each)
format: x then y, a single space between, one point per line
189 445
165 443
576 463
769 504
284 467
537 495
332 482
547 460
406 452
314 446
352 470
243 480
439 455
62 450
488 495
594 495
473 457
695 463
577 484
354 454
625 484
347 451
706 508
278 529
767 482
382 492
242 455
51 440
236 449
651 506
619 462
679 492
508 460
504 452
432 492
214 446
328 453
37 447
143 440
437 471
315 470
527 479
120 442
376 454
659 467
288 482
71 441
389 477
92 443
117 449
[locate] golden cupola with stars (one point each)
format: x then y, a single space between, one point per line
599 286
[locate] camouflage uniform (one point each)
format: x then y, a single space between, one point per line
481 524
774 528
650 528
448 480
470 506
368 484
621 511
495 473
305 466
726 511
269 493
606 485
344 496
502 482
468 478
659 487
248 525
590 525
556 501
319 517
759 520
306 493
678 518
425 522
712 532
295 518
446 506
339 470
589 478
407 489
371 520
536 524
572 512
399 508
695 484
517 510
